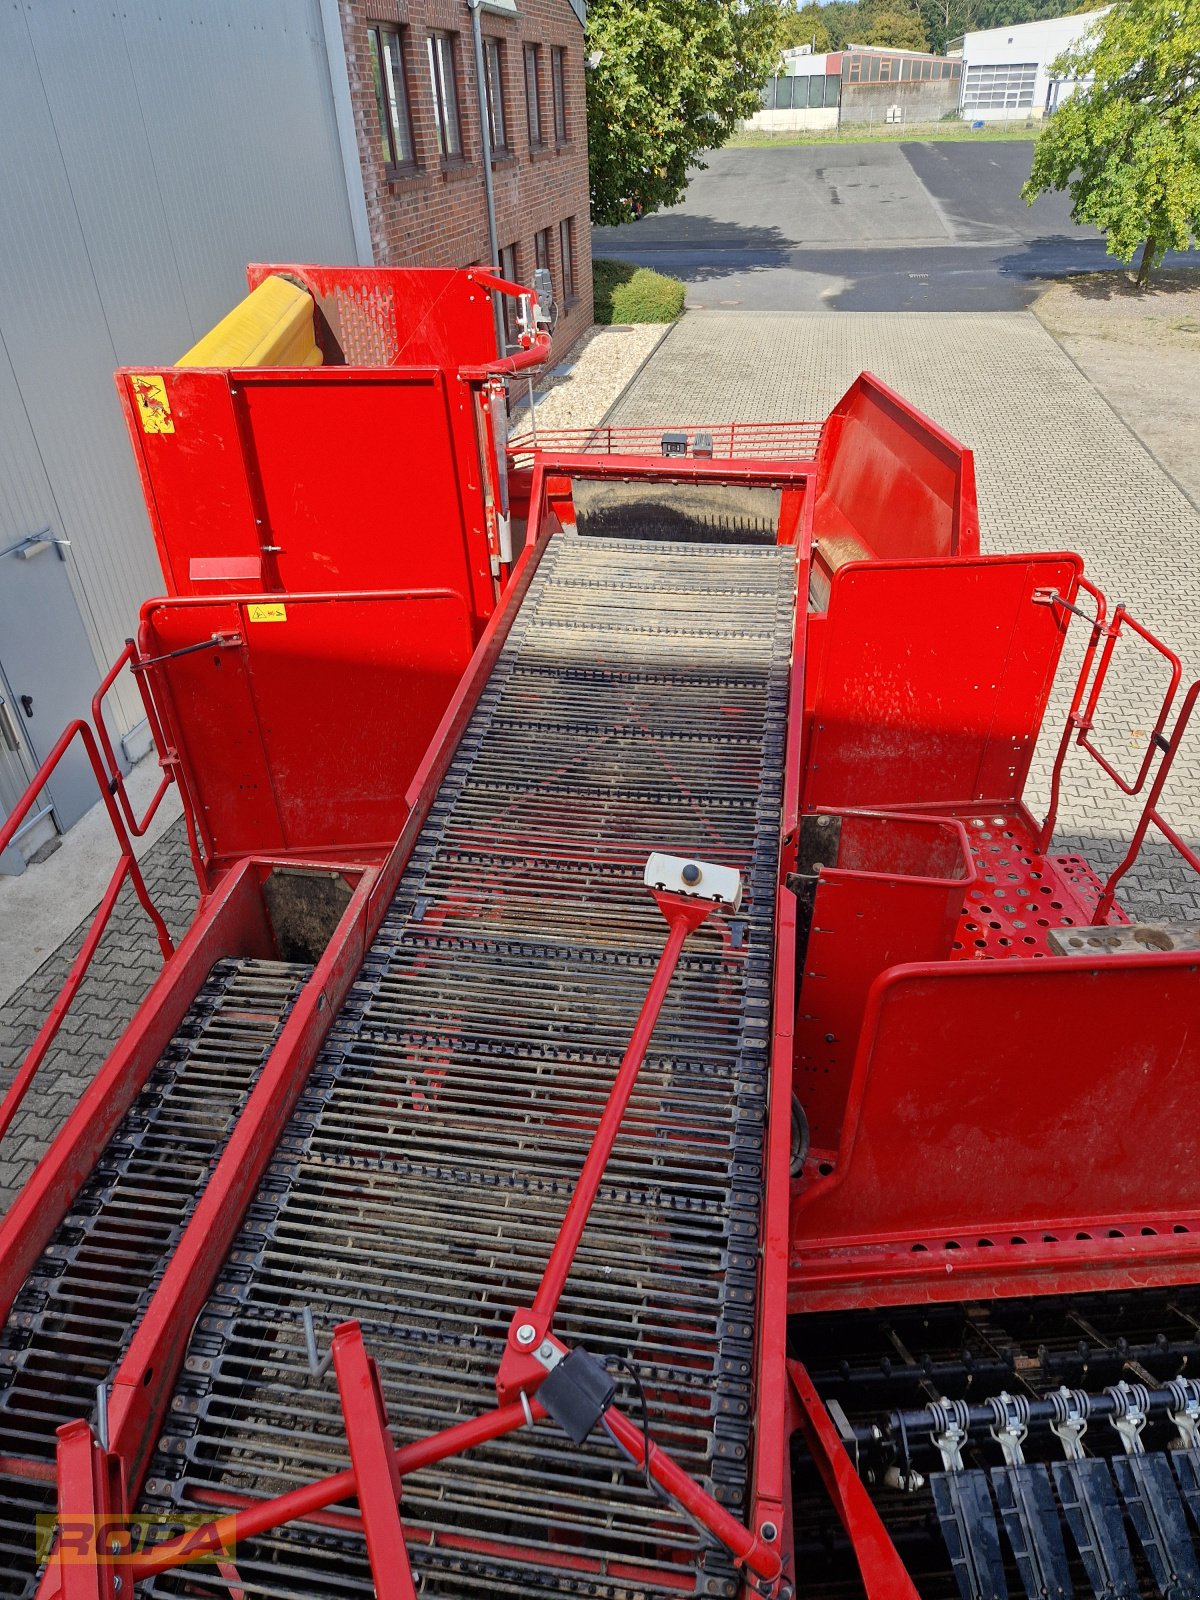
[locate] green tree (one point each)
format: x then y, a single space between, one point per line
804 25
674 79
899 30
841 21
894 23
1127 145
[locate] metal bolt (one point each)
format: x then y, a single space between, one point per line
768 1531
526 1333
691 873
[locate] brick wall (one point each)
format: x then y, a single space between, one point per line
435 213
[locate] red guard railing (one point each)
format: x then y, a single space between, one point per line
111 785
1081 723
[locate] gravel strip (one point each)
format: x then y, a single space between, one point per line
579 392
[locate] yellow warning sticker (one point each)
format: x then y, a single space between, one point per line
276 611
154 408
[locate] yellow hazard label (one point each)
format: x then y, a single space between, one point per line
154 408
276 611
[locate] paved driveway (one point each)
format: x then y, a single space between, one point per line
862 227
1057 470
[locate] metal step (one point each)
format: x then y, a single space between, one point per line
78 1309
639 704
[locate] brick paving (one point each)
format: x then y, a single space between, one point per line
1056 469
126 964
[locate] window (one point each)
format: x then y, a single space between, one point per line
1000 86
445 95
541 249
493 67
558 82
816 90
833 89
391 96
508 269
566 229
533 101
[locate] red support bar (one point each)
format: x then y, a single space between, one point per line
884 1575
519 1369
93 1536
127 866
373 1459
747 1548
261 1516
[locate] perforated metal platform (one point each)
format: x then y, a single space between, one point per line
638 704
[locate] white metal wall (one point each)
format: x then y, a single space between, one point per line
149 151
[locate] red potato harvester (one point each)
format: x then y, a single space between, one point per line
642 1108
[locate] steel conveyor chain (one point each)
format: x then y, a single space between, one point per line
77 1310
638 704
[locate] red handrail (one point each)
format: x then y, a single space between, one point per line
116 778
110 784
1150 812
1080 724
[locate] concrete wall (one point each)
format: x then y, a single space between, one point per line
819 119
918 102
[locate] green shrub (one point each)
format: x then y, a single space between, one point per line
624 293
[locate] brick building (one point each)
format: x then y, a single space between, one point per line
423 126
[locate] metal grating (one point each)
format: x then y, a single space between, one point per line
1021 895
638 704
77 1310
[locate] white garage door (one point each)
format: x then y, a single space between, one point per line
999 86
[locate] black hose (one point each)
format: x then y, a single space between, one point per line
801 1140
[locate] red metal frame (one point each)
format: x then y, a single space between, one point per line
917 693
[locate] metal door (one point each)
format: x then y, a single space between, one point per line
47 669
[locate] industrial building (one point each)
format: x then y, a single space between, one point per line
150 154
861 84
1007 71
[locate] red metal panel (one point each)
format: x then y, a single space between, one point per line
422 316
303 736
934 677
1008 1098
198 497
894 479
894 894
361 483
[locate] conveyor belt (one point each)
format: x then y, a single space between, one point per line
638 704
77 1310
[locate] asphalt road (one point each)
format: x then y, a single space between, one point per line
869 227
